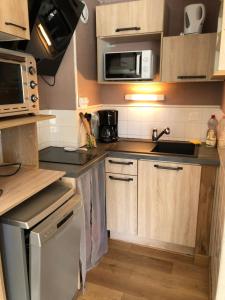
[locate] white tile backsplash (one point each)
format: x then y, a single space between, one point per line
185 122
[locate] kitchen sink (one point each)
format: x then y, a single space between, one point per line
176 148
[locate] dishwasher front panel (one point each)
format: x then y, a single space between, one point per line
54 254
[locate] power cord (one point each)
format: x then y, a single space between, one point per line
47 82
11 165
11 174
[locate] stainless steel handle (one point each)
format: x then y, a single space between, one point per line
16 25
128 29
168 168
191 77
121 179
64 220
121 162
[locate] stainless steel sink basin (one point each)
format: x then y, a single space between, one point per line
176 148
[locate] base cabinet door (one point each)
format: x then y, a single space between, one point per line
121 203
168 197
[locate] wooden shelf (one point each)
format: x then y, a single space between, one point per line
9 122
26 183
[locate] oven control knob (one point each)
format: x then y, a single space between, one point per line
32 70
33 84
34 98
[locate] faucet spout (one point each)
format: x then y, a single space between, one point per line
156 136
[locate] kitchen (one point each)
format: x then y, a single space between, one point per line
140 216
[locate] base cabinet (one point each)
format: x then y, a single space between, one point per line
168 196
121 203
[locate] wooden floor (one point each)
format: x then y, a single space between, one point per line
130 272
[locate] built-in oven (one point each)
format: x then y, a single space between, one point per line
130 65
18 83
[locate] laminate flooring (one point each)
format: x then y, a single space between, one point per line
131 272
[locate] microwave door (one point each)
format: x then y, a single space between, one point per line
122 66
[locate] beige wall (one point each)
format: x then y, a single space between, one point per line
223 99
62 95
87 57
180 93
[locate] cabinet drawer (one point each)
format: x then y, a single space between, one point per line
121 166
121 203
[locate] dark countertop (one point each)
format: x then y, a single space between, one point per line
135 149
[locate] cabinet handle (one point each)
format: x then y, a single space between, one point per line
121 179
128 29
192 77
168 168
15 25
121 162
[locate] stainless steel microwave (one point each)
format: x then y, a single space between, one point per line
18 84
130 65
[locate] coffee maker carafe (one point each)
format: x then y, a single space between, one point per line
108 126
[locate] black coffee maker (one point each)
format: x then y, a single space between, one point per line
108 126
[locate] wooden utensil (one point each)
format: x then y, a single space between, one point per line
91 141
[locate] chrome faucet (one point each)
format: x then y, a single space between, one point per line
156 137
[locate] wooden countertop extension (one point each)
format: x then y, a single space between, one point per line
26 183
8 122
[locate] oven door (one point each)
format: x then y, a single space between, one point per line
123 66
13 93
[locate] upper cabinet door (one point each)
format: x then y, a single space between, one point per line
219 68
188 58
14 20
129 18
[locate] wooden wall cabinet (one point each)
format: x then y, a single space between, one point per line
219 67
14 20
188 58
168 195
130 18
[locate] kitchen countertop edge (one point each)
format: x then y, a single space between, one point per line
206 156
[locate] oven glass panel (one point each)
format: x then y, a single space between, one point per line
11 85
122 65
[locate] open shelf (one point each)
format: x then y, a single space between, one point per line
26 183
128 43
8 122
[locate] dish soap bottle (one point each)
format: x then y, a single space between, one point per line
221 133
211 133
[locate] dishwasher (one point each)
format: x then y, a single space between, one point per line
40 242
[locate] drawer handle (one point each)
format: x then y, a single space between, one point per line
168 168
15 25
121 179
128 29
121 162
191 77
